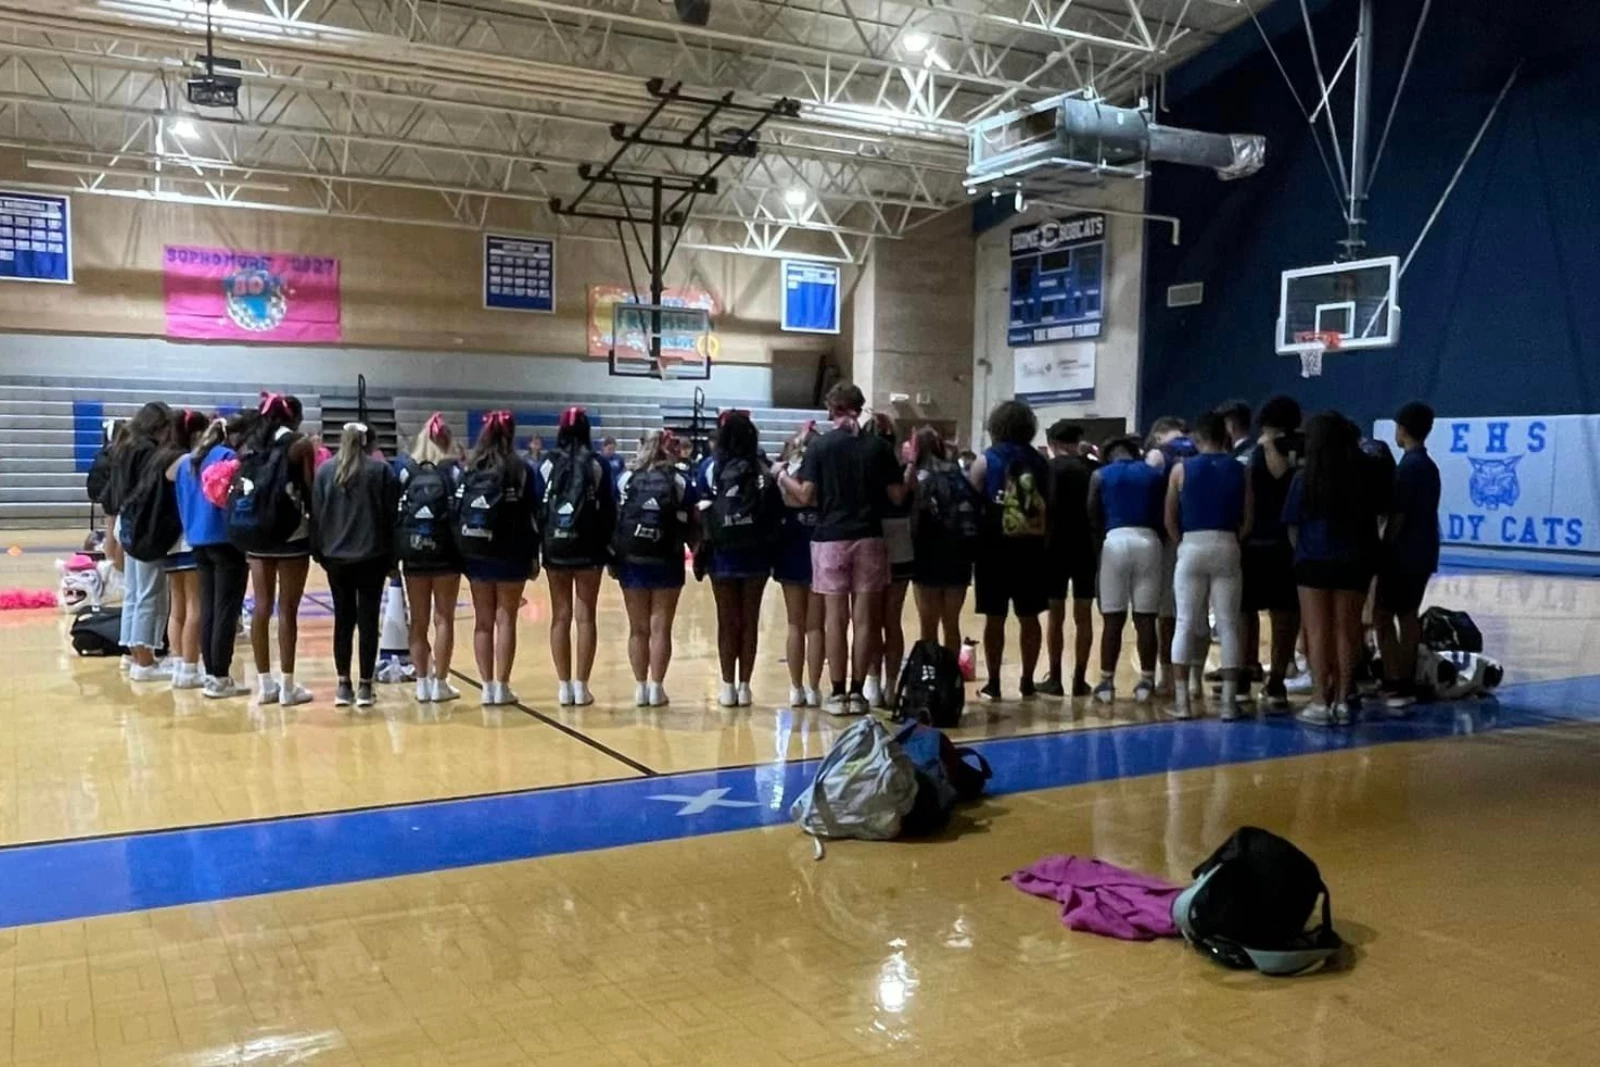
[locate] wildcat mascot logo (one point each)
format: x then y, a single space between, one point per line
1494 484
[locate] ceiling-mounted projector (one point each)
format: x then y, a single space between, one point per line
217 87
693 12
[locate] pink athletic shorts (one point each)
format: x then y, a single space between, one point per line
840 567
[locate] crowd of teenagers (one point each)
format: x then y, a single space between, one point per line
1196 530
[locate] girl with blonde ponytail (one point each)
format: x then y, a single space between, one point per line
432 570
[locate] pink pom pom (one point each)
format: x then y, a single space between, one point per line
216 479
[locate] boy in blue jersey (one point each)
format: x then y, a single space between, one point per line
1409 555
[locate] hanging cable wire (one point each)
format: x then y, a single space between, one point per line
1333 183
1400 87
1327 91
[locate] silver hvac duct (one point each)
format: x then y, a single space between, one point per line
1127 133
1069 140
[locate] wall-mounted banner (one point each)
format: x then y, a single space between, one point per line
218 294
35 238
519 273
1527 484
810 297
1059 374
602 297
1057 281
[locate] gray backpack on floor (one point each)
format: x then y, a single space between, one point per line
864 788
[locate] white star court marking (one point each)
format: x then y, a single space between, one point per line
711 798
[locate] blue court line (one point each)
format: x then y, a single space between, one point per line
133 872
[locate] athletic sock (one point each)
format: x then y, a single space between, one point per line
288 682
1147 677
1107 677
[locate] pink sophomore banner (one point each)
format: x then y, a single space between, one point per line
216 294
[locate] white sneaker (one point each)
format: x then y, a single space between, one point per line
184 678
1317 715
125 664
728 695
424 690
743 694
443 691
1181 708
837 705
813 698
564 694
872 689
1105 693
222 689
267 691
1144 692
641 695
154 673
797 696
1228 710
491 694
297 695
656 694
1298 683
581 697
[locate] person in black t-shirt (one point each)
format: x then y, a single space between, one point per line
850 477
1268 558
1073 560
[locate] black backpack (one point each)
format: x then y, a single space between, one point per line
99 633
946 502
150 521
931 690
264 509
1251 904
1450 631
572 508
648 530
425 534
99 478
493 513
741 510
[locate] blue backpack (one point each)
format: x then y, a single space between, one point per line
945 775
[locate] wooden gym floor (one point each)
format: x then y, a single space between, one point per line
197 883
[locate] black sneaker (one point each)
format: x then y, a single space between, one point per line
1277 698
1050 687
1081 688
990 691
345 695
364 696
1029 690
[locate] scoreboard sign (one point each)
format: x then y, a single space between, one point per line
1057 281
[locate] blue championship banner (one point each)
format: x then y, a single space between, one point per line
810 297
1057 281
519 273
1525 484
35 238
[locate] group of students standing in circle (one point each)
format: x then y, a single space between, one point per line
1191 529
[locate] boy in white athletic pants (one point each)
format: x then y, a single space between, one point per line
1208 511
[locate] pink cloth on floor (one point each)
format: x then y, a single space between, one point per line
1103 898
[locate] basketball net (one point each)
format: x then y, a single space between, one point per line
1311 358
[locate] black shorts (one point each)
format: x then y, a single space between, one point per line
1400 591
1269 583
1072 571
1011 575
1347 576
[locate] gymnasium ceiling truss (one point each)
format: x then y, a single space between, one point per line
476 114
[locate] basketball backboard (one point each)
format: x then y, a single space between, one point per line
1356 300
687 348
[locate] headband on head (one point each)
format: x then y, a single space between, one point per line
669 440
273 402
499 420
358 427
809 428
569 417
437 430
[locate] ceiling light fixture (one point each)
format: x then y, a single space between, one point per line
915 42
795 196
183 128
